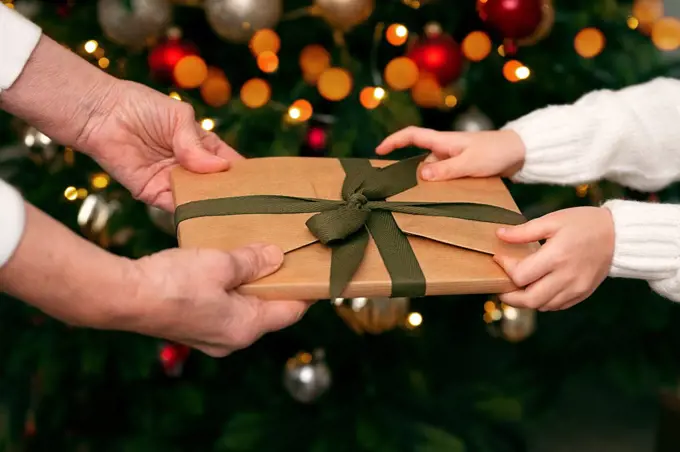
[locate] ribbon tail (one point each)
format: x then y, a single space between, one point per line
408 279
345 260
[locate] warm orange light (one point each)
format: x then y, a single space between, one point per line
427 92
265 40
647 12
401 73
314 60
476 46
216 90
335 84
666 33
255 93
510 69
589 42
268 62
368 98
396 34
301 110
190 72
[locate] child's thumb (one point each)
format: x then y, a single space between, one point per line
533 231
450 168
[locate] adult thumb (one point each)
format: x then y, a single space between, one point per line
250 263
192 154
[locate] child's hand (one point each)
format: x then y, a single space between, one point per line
569 267
461 154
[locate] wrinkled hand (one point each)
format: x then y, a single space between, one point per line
461 154
191 297
139 135
574 261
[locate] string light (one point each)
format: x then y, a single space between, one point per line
190 72
255 93
104 63
265 40
476 46
175 96
71 193
666 34
335 84
396 34
647 12
632 22
450 101
427 92
582 190
401 73
589 42
91 46
415 319
207 124
314 60
501 50
216 90
100 181
268 62
515 71
301 110
369 98
81 193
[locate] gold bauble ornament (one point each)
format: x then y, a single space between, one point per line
513 324
344 14
373 315
238 20
134 26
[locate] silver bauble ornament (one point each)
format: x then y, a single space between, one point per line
472 120
39 144
237 20
134 26
162 219
513 324
28 8
307 376
94 215
373 315
344 14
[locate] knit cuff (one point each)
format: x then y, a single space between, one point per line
647 240
553 138
12 221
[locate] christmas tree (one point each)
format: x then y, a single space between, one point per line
331 79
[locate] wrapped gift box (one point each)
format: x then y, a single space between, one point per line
384 232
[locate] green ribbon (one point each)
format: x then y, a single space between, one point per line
344 226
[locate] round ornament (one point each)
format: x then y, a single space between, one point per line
237 20
39 144
307 376
512 324
135 23
164 57
344 14
439 56
373 315
173 357
162 219
512 19
472 120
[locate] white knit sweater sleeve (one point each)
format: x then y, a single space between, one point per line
631 137
18 38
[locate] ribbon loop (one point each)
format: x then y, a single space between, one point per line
335 225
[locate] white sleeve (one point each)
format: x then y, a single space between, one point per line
647 244
12 219
630 136
18 38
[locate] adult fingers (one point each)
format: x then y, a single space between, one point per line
276 315
215 145
249 263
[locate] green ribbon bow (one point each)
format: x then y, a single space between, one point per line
344 226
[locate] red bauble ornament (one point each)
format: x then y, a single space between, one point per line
316 138
172 357
164 57
513 19
439 56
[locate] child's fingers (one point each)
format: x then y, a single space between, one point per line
432 140
533 231
536 295
528 270
450 168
